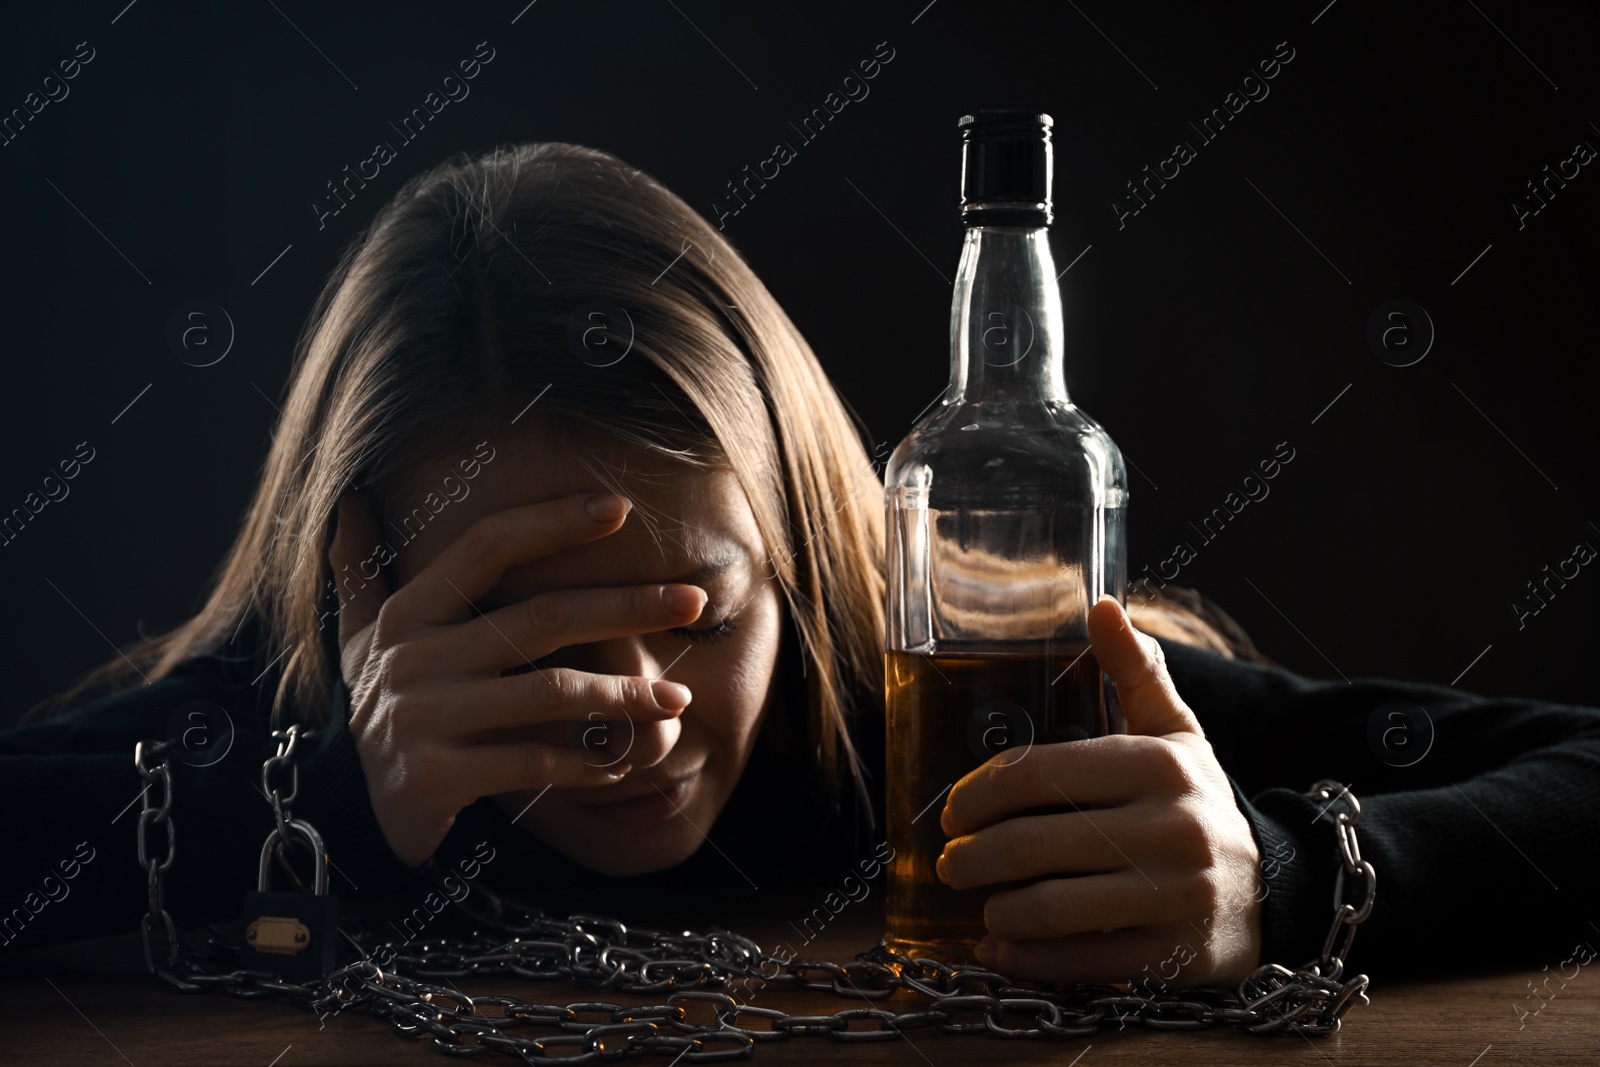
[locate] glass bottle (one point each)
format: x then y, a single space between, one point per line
1005 524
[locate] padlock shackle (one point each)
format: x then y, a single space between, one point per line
319 878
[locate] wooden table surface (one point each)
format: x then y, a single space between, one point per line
91 1002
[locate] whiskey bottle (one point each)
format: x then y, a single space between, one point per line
1005 525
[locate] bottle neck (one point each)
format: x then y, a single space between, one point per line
1005 319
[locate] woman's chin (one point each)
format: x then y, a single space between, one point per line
648 831
622 853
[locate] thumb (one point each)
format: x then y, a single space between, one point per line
1136 663
351 559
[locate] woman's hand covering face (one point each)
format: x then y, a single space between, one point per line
547 657
425 672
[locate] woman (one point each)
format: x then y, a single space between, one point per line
568 550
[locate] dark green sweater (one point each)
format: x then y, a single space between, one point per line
1487 849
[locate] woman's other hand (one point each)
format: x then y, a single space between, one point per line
436 721
1150 865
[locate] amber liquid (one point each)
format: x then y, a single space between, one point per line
947 714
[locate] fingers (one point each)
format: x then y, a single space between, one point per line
1093 771
445 590
485 770
1058 907
622 743
554 694
1136 663
533 628
1128 955
1034 846
361 595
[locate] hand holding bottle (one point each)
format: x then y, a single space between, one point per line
1151 852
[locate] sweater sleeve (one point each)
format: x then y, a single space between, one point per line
73 796
1484 832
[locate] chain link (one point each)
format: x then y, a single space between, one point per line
696 1022
151 759
1346 916
273 766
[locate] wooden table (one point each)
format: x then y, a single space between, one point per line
91 1002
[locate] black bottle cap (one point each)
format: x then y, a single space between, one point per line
1005 168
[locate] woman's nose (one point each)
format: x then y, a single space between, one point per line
636 655
644 744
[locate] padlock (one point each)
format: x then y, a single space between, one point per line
292 934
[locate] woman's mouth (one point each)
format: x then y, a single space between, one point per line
646 809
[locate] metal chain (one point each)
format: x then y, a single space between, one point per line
1346 917
271 767
151 759
697 1022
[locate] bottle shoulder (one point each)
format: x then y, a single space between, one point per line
1029 443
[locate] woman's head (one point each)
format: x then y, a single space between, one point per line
545 293
686 525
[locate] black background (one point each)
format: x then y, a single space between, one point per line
1221 320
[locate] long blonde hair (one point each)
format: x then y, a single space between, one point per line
473 293
477 289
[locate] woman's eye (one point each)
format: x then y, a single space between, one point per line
713 633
